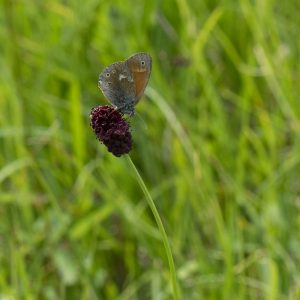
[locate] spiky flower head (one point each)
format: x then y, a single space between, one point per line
111 129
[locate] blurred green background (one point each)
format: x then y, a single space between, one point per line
216 140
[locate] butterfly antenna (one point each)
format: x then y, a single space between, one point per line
128 118
143 121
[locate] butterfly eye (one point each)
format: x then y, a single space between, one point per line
107 74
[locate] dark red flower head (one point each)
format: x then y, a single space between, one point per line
111 129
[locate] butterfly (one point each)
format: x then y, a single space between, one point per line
123 83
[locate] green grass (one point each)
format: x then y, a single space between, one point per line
216 143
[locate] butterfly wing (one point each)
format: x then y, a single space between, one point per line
139 65
117 84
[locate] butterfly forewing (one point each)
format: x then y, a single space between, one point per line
140 66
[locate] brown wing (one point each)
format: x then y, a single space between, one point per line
117 84
140 66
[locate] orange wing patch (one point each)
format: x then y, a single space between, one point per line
140 81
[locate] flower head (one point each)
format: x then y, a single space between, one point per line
111 129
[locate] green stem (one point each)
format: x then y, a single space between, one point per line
161 230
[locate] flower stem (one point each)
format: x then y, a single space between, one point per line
161 230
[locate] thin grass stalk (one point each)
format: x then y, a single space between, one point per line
161 229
